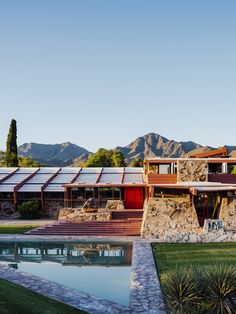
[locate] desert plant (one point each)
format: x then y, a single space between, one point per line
219 282
182 292
30 210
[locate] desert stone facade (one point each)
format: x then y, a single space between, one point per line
79 215
228 213
114 204
163 216
192 170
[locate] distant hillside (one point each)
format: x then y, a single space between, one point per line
149 145
155 145
53 155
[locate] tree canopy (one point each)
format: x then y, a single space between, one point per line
11 157
136 162
28 162
106 158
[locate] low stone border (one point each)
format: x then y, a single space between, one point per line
145 291
55 238
72 297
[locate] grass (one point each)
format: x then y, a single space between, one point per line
169 256
14 229
204 271
18 300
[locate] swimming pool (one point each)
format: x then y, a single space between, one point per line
100 269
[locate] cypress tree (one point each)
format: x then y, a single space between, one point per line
11 150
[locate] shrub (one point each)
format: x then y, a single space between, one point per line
220 288
30 210
182 291
204 289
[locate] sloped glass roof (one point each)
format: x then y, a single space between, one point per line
87 178
30 188
113 170
40 178
7 187
69 170
17 178
111 178
134 169
54 188
26 170
7 170
65 175
63 178
91 170
133 178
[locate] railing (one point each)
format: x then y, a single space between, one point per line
222 178
162 178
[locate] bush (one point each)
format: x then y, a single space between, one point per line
30 210
209 289
220 289
182 291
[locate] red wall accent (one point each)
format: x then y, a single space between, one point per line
134 198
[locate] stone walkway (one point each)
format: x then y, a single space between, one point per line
145 292
58 292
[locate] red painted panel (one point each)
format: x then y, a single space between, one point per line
134 198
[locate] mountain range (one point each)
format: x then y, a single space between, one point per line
149 145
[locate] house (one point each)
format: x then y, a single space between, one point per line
174 195
183 193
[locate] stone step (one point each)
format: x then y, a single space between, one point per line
120 227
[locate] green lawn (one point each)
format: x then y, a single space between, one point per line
11 229
18 300
168 256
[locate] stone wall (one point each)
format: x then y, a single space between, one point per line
196 237
192 170
228 213
79 215
164 216
114 204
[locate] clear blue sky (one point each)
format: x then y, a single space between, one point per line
100 73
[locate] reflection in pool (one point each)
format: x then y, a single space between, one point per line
101 269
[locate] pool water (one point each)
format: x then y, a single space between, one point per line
101 269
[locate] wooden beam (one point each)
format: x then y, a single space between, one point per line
19 185
76 176
43 187
223 151
123 176
9 175
99 175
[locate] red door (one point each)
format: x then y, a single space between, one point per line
134 198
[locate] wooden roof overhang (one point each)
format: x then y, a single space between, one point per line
222 151
104 185
170 186
194 190
173 160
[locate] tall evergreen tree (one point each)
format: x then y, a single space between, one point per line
11 149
